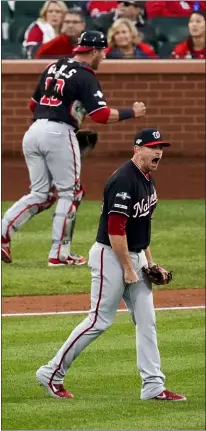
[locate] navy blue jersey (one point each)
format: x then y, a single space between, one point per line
131 193
67 91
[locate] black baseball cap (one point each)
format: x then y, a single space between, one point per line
149 137
89 40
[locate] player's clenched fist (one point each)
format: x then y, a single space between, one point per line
139 109
130 276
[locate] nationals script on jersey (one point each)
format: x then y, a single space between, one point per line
143 207
67 91
131 193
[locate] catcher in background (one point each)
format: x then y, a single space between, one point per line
67 91
87 140
122 268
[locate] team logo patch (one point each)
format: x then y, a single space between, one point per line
124 207
123 195
138 141
156 134
98 94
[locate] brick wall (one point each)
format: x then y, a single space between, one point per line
173 93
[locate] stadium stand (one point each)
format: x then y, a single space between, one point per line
11 50
168 32
163 33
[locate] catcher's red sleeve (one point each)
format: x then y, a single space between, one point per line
100 115
32 104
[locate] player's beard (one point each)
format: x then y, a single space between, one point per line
97 59
95 63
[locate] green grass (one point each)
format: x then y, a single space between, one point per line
177 243
104 378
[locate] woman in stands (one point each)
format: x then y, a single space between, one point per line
124 42
46 28
194 45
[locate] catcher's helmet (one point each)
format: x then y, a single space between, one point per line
91 39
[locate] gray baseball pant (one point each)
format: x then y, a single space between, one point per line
52 155
107 289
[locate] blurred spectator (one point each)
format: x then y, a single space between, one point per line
11 5
46 28
133 10
80 5
6 18
96 8
173 8
72 27
123 41
194 46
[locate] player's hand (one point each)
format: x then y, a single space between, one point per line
130 276
139 109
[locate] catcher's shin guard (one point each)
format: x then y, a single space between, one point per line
51 199
23 210
62 230
78 196
79 193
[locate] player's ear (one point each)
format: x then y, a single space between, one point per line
136 149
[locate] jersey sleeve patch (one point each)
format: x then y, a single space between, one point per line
120 198
91 94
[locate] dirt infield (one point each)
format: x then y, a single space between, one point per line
53 303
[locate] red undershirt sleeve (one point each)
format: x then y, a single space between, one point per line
32 104
100 115
117 224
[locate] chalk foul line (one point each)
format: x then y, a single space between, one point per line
52 313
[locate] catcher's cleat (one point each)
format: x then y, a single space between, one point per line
55 390
57 262
72 259
169 396
6 254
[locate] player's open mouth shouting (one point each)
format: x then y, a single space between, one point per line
155 161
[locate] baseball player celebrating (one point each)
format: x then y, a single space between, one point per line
66 92
122 267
